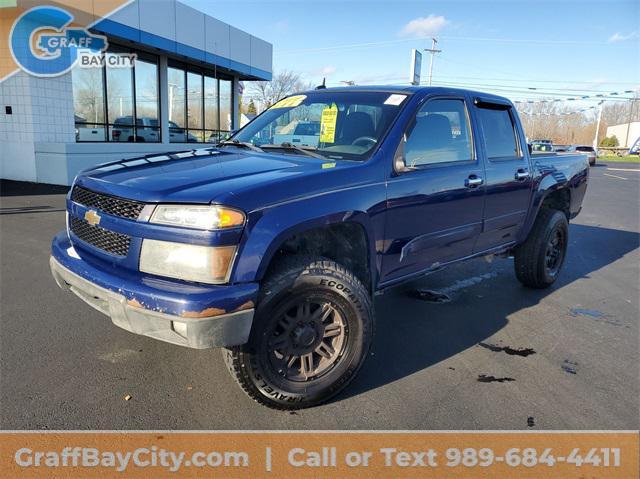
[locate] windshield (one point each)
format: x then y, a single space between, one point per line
336 125
541 147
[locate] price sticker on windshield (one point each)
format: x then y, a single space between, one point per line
395 99
328 124
289 102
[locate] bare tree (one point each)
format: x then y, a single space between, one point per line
283 83
563 125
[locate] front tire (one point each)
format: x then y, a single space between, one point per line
311 334
539 260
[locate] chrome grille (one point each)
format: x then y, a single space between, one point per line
108 241
112 205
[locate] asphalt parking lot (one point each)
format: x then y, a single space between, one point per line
496 356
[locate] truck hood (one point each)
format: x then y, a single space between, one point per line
196 176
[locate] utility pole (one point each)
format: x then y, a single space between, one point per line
595 140
433 51
626 141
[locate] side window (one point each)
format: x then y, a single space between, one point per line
440 133
499 133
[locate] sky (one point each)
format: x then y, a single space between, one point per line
520 49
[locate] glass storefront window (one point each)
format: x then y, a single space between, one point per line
120 104
88 102
123 104
147 119
226 98
177 103
110 106
194 105
211 113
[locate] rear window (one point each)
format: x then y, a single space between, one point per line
124 120
584 148
308 129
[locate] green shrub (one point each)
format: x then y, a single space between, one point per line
610 141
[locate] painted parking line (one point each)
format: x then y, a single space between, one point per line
615 176
623 169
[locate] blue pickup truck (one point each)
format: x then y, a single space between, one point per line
274 251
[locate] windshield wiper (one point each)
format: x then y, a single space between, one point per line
241 144
289 147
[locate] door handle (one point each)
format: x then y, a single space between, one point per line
522 174
473 181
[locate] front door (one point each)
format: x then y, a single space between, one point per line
508 180
434 200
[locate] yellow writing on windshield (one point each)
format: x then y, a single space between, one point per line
328 124
290 102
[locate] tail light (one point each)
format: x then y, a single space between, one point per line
115 134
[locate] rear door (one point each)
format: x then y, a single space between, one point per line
508 179
434 205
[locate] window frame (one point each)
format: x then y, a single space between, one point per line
400 153
488 105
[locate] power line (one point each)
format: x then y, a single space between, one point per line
572 94
531 80
446 37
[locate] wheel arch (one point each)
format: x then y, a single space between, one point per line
345 237
550 194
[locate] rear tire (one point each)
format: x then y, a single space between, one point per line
311 334
539 260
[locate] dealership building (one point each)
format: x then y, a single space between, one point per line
626 133
183 90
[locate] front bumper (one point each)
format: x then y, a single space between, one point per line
179 313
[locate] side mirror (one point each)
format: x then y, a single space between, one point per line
399 163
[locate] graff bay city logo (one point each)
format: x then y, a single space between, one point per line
43 44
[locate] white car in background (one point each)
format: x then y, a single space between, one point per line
585 150
299 133
147 130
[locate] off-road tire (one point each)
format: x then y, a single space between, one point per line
306 279
531 259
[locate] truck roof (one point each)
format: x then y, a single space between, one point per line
408 90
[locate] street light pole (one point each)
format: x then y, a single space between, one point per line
433 51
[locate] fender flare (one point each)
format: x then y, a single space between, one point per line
547 186
269 229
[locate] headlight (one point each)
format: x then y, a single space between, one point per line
205 264
200 217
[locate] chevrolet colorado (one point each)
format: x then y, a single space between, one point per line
274 250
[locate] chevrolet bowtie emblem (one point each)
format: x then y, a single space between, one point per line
92 217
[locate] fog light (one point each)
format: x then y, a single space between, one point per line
180 328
